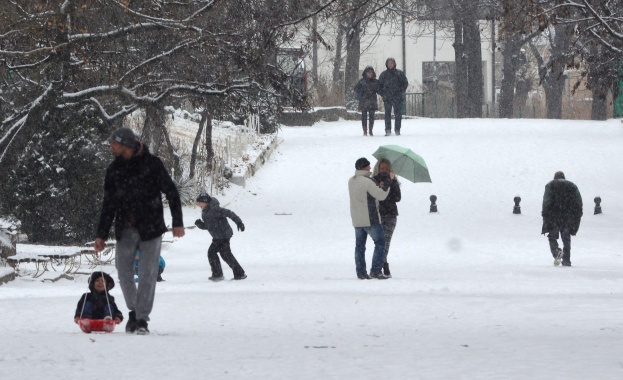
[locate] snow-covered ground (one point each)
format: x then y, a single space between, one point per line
474 294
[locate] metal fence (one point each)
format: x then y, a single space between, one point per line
433 105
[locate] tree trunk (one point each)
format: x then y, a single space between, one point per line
193 155
314 69
475 80
156 137
337 62
510 66
600 95
351 70
460 73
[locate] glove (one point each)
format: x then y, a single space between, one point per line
241 227
199 223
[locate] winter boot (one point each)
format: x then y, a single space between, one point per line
371 126
557 256
386 271
131 326
142 327
365 129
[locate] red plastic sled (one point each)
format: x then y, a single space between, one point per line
96 325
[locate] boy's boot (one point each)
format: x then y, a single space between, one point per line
371 126
365 128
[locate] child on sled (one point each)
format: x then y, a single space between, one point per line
98 304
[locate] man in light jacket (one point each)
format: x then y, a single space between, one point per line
365 195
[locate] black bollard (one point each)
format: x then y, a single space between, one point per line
433 205
597 205
517 209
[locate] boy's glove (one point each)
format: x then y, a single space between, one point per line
199 223
241 227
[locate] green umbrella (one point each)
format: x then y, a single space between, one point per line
405 162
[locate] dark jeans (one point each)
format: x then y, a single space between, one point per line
396 104
90 312
222 246
565 235
361 235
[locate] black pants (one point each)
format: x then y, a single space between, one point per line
397 106
369 117
565 235
222 246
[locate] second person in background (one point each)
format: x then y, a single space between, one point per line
365 93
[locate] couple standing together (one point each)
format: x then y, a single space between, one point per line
374 212
391 85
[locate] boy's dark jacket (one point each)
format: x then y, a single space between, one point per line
215 220
99 300
132 196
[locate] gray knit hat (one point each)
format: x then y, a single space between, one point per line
123 136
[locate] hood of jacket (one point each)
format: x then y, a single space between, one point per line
110 283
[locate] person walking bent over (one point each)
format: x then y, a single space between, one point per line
365 195
562 212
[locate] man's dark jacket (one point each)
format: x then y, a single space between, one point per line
393 84
562 206
132 196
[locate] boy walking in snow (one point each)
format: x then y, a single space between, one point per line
214 219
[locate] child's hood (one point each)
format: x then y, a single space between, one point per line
110 283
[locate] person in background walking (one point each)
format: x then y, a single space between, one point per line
384 176
365 195
393 84
562 212
133 188
365 92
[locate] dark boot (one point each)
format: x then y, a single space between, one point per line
371 126
132 324
386 271
365 129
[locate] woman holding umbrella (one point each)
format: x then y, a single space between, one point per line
384 174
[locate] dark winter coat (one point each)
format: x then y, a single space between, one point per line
388 206
562 206
214 219
99 301
132 196
366 90
393 84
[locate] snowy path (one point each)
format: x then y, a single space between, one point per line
474 293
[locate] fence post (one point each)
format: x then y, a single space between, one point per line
423 106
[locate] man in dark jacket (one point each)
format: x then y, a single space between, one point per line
214 219
133 186
562 211
393 85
